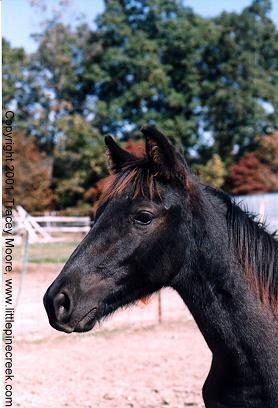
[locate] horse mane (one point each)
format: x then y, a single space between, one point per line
257 249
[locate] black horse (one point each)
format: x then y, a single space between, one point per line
158 226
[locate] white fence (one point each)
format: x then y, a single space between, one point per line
47 228
264 205
54 224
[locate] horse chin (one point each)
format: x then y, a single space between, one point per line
87 322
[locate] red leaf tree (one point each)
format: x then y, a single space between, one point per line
257 172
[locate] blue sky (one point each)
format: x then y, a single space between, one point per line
20 19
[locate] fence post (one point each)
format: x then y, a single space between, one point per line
159 307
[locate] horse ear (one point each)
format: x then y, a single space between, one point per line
117 156
164 159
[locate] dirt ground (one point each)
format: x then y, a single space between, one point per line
130 361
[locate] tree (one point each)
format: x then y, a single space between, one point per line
157 61
267 152
32 175
24 92
239 79
79 161
13 61
148 65
257 172
246 175
213 172
61 64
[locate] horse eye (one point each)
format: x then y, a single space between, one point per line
143 218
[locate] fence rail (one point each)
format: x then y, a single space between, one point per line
61 229
47 228
51 223
57 218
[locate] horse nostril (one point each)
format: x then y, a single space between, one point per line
62 307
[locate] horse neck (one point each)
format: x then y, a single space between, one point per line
241 332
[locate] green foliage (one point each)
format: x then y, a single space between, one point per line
25 92
213 172
239 79
149 68
62 57
79 161
13 61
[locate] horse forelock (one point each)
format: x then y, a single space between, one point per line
137 178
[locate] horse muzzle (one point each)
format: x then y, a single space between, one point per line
62 314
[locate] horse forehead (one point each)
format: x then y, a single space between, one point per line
127 202
168 198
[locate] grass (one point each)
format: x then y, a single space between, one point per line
53 252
